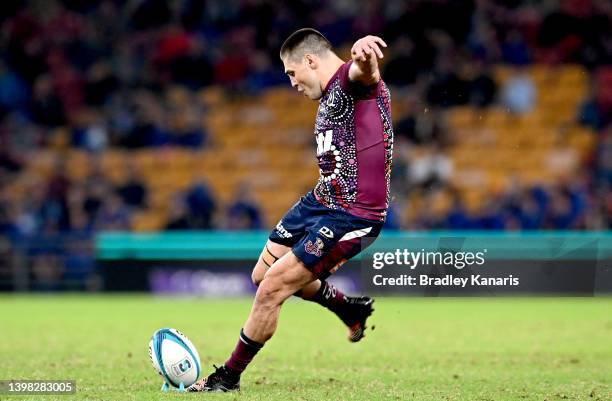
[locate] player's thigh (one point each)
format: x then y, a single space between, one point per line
269 255
285 277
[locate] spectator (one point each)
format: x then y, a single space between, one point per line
7 226
14 93
93 200
90 131
492 216
402 69
186 128
262 74
243 213
192 69
603 173
113 214
9 163
482 86
133 191
515 50
458 216
201 205
100 85
54 209
590 114
430 168
529 212
46 108
562 215
518 94
178 216
149 128
447 88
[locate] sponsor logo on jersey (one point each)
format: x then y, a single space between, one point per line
331 99
282 231
314 249
326 232
324 141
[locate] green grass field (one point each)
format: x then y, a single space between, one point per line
421 349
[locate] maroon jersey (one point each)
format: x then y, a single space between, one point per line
354 139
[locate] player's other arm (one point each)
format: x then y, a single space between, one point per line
365 54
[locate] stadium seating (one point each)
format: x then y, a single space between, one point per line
266 141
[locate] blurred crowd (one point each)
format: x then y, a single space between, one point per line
96 204
102 74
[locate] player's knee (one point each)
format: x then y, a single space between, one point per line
256 276
270 292
259 271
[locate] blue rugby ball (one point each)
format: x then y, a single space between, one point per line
174 357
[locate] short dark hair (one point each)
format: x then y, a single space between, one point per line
305 40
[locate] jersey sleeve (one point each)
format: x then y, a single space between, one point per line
356 89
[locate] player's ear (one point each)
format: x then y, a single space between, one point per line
311 61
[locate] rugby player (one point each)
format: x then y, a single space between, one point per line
326 227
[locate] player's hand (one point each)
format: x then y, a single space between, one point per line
366 48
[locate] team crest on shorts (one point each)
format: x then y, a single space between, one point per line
314 249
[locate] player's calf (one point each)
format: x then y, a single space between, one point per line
353 311
280 282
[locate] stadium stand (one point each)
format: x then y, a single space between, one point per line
504 126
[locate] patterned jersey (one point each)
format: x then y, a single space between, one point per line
354 140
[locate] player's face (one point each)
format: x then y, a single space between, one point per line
303 77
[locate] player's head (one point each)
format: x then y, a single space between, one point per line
303 54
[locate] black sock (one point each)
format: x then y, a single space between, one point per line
330 297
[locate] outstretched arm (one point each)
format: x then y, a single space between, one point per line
365 53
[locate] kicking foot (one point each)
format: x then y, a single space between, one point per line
219 381
358 311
